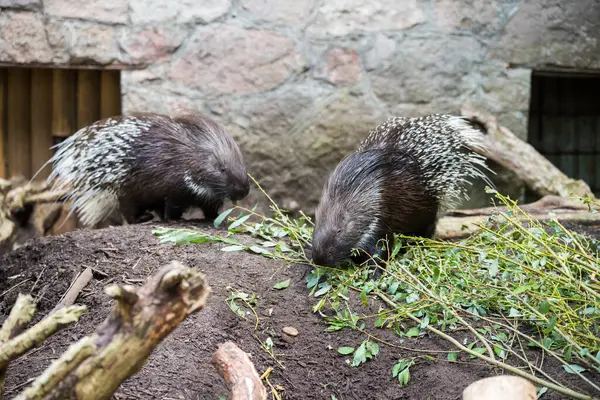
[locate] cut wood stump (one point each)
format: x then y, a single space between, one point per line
95 366
235 366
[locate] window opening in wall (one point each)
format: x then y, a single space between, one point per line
39 107
564 124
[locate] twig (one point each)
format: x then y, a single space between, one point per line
76 287
58 370
516 371
20 315
38 333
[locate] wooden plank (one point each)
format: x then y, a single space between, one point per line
18 122
88 97
64 102
110 94
3 136
41 121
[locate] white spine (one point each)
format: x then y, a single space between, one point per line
93 162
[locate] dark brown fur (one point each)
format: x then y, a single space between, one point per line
156 182
377 184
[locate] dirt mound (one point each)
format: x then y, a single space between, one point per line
180 367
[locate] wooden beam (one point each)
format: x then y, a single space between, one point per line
41 121
88 97
63 102
18 150
110 94
3 136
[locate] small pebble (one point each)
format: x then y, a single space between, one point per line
290 330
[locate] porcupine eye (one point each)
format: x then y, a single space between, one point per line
339 231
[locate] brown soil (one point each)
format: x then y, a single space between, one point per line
180 367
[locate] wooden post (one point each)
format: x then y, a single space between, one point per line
88 97
110 93
3 137
41 121
18 149
63 102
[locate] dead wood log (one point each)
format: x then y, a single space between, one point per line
20 315
20 202
120 346
506 149
15 340
235 366
75 288
460 226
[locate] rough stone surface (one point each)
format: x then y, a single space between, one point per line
343 66
292 13
382 50
427 69
553 32
152 43
23 38
341 17
184 11
21 4
91 43
269 70
107 11
290 330
229 59
479 16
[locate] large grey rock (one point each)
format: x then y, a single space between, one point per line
106 11
427 68
552 32
382 51
92 43
292 13
21 4
226 59
341 67
341 17
152 44
485 17
23 38
292 139
181 11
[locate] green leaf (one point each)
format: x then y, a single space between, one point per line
573 368
219 220
234 247
404 377
360 355
345 350
523 288
282 285
452 357
374 348
412 332
323 290
544 307
393 287
238 222
259 250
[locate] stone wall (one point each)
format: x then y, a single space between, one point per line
300 82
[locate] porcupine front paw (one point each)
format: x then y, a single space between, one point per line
211 210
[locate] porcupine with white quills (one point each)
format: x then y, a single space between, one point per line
401 179
149 162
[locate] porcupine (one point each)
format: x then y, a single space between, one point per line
141 163
401 179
